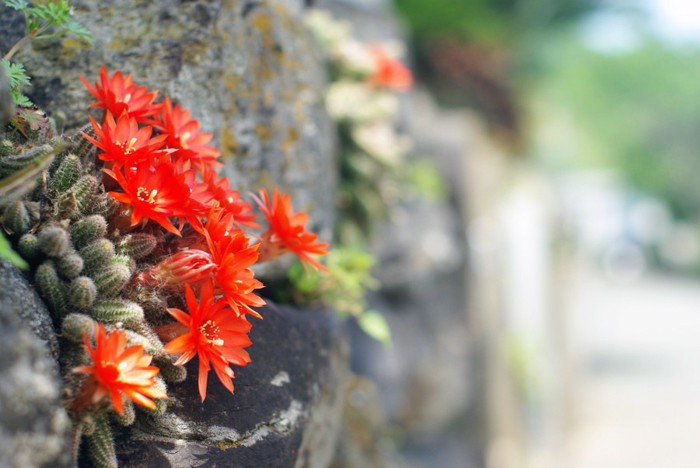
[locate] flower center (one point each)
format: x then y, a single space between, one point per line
144 195
109 372
127 146
210 332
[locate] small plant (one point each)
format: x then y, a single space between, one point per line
42 21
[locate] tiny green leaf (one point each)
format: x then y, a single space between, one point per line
16 4
7 253
375 325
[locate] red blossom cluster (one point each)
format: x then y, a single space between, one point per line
161 168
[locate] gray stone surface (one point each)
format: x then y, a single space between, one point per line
34 428
248 70
286 409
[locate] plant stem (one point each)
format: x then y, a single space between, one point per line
16 47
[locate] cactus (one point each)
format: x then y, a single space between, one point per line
13 163
28 247
76 325
85 150
104 205
117 311
66 174
112 279
101 444
84 192
87 230
135 338
129 415
96 255
137 245
54 241
82 292
125 260
70 265
17 219
51 288
170 372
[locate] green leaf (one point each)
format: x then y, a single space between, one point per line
7 253
53 13
376 326
15 73
16 4
78 30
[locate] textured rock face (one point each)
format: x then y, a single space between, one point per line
34 428
285 411
248 70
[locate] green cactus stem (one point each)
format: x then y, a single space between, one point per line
75 325
16 219
96 255
84 191
15 162
28 247
101 444
112 279
54 241
51 288
66 175
82 292
22 182
137 245
170 372
70 265
135 338
117 311
87 230
104 205
129 416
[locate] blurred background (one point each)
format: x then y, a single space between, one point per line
548 314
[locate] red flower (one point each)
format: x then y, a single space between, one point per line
115 371
287 232
123 141
215 334
390 72
155 192
182 132
229 199
233 256
119 94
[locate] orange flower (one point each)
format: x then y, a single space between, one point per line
182 132
119 94
390 72
287 232
123 141
155 192
233 256
215 334
229 199
115 371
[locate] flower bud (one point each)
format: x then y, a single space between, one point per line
82 292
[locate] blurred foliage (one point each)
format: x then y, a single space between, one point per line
490 21
636 111
10 255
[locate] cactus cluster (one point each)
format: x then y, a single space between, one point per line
59 222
